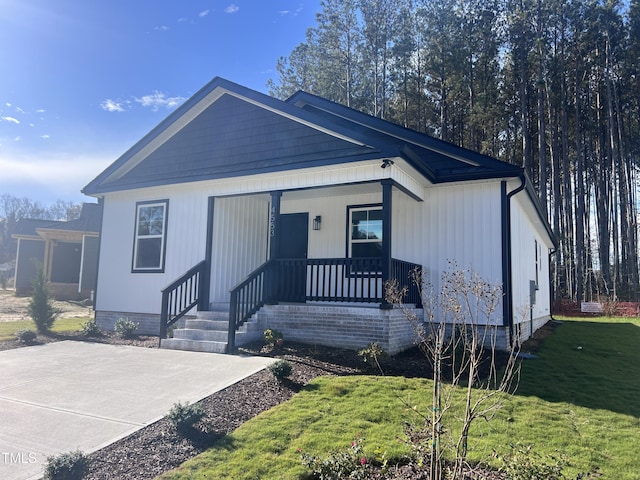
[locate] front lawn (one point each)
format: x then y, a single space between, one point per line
580 398
8 329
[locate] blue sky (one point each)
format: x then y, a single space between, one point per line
83 80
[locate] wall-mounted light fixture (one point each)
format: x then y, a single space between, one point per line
316 222
386 163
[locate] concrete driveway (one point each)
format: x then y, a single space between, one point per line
69 395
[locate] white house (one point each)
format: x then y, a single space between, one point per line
292 215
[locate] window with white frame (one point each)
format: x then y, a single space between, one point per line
365 232
150 236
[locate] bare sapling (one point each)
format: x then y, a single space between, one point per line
459 335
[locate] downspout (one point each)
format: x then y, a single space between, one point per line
552 252
507 281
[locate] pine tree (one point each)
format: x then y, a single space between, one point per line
40 307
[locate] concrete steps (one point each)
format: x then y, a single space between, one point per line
208 332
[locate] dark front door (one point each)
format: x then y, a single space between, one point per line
292 253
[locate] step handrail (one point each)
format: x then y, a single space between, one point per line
181 296
246 298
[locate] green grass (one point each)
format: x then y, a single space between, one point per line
581 398
61 325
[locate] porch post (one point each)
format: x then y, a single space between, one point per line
205 282
47 265
274 246
386 238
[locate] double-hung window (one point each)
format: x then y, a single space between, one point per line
365 232
150 236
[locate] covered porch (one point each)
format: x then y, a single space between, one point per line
293 271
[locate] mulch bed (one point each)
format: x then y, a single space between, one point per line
158 448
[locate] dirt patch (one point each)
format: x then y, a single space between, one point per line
14 308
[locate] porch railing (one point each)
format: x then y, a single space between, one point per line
357 280
181 296
330 280
408 275
247 298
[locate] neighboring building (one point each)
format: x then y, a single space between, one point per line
295 213
67 252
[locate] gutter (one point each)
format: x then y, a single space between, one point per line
507 281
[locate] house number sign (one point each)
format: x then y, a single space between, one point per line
272 222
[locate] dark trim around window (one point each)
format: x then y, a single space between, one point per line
148 256
348 247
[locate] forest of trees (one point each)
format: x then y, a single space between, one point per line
550 85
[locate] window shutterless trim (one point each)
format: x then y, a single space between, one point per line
348 252
163 246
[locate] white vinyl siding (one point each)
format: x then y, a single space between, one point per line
119 288
463 230
528 242
239 241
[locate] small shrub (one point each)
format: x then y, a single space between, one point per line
273 336
90 328
125 327
351 463
372 355
3 281
185 416
524 463
66 466
280 369
25 336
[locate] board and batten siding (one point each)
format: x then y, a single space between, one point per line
332 238
240 241
123 291
527 240
119 289
462 230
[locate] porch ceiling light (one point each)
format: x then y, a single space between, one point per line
316 222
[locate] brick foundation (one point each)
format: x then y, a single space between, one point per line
341 326
148 324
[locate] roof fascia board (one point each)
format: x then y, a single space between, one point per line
401 133
104 189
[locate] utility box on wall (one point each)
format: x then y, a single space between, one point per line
533 286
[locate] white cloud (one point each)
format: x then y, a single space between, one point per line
158 100
47 177
112 106
164 28
204 13
45 137
233 8
10 120
41 110
292 12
